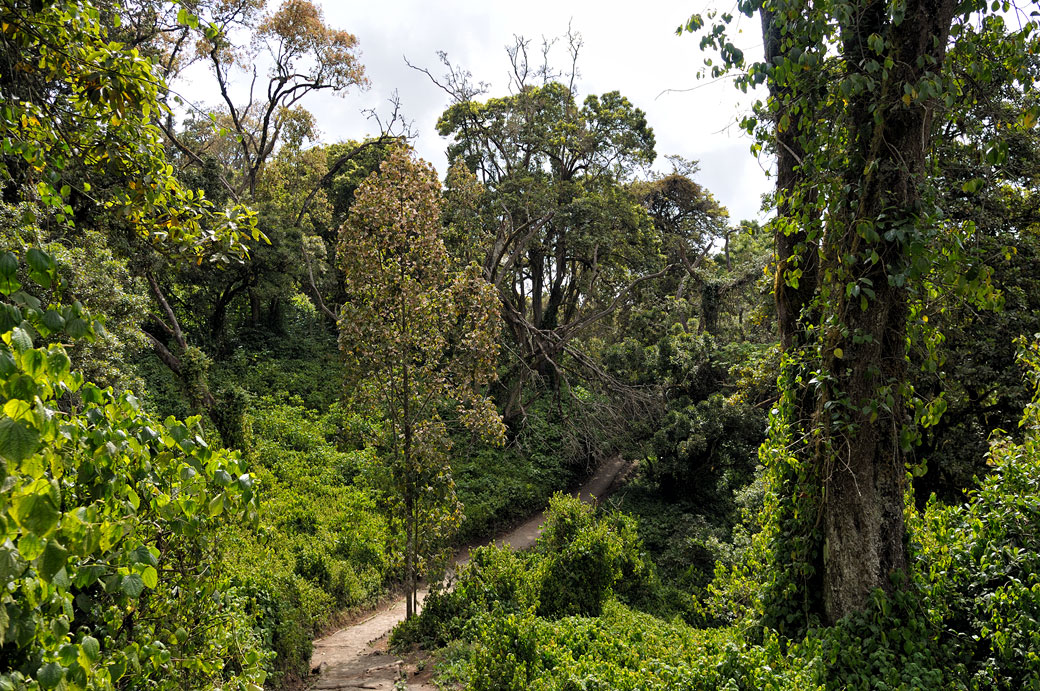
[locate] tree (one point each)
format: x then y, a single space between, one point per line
561 237
856 92
419 339
84 171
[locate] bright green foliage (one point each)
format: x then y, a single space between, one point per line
581 561
622 649
96 117
494 579
107 517
585 560
321 544
982 575
322 547
969 622
419 337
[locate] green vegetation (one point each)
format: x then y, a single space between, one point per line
253 382
963 620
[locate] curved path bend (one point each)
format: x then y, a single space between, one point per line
355 657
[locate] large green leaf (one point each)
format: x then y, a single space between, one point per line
41 266
10 317
9 273
18 441
50 675
10 565
132 585
77 327
91 648
53 560
36 510
53 320
20 339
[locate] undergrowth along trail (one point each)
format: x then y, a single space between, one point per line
355 656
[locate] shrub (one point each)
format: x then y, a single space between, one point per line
114 526
494 578
583 559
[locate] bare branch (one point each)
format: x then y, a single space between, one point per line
386 136
194 157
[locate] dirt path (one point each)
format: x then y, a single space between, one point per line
355 657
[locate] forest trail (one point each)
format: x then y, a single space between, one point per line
355 657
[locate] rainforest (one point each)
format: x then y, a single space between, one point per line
287 405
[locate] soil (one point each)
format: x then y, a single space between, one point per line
356 657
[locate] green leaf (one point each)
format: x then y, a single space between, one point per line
59 627
20 339
41 266
67 654
53 320
10 317
18 441
216 505
142 555
53 560
10 565
91 648
132 585
50 675
37 509
23 299
9 273
7 363
31 546
77 327
150 577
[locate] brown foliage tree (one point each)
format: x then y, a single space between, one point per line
419 337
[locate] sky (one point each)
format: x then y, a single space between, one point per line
634 51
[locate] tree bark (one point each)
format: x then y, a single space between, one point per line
861 456
795 247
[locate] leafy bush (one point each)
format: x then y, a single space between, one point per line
982 574
494 578
966 617
622 650
112 538
321 547
580 561
584 559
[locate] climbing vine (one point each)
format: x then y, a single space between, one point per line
856 92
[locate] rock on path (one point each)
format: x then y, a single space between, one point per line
355 657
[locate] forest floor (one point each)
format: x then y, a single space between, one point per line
356 656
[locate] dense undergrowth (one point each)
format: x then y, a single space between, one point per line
322 548
965 617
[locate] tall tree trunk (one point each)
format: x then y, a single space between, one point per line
860 454
796 246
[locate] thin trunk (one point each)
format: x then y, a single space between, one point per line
795 247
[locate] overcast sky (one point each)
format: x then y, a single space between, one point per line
634 51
